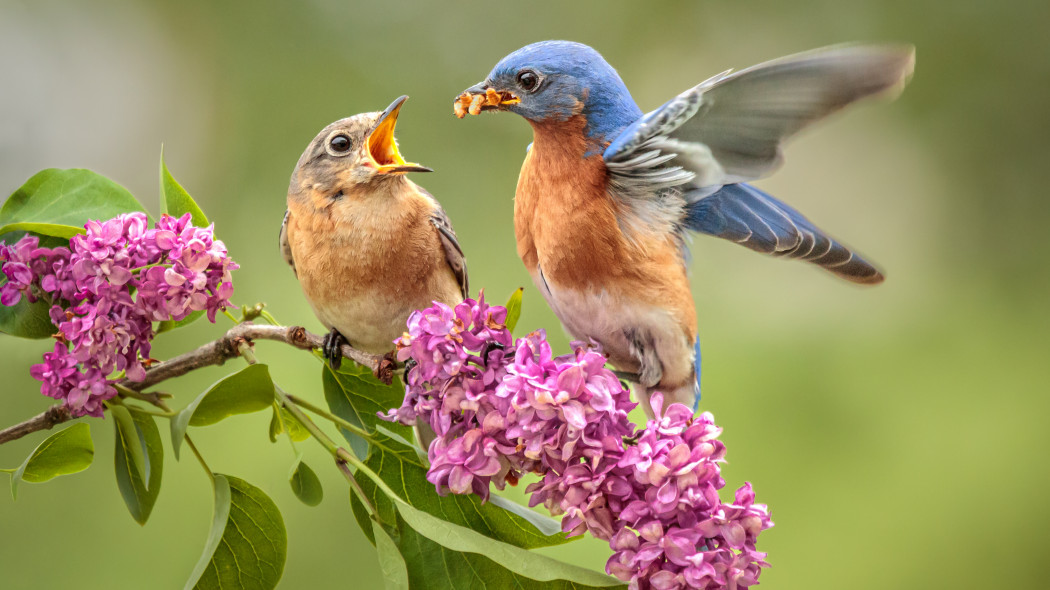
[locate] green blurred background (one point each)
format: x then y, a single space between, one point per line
897 433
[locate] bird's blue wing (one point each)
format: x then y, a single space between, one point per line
681 163
730 128
743 214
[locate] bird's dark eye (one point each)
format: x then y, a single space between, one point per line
339 144
528 80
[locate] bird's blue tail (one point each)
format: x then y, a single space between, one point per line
743 214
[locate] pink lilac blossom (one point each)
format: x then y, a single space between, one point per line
106 290
502 409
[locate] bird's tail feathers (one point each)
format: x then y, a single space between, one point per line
741 213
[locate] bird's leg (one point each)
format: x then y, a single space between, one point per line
332 348
650 369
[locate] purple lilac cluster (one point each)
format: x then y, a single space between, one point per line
106 289
502 409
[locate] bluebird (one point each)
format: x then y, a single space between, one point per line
368 245
607 194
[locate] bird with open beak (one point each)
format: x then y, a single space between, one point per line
368 245
607 194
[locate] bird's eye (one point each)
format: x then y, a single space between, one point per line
339 144
528 80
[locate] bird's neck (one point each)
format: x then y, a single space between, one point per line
563 140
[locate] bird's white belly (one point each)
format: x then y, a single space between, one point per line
368 323
612 321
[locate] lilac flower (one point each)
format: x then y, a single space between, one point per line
106 290
502 409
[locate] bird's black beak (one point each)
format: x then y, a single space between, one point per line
482 97
382 148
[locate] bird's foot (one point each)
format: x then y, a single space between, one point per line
384 370
332 348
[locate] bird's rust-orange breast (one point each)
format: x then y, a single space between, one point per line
566 223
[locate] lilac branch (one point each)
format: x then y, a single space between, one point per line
213 353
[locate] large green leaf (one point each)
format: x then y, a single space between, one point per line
174 200
356 396
305 484
248 544
395 571
248 390
27 320
139 493
443 556
58 202
130 441
514 308
67 451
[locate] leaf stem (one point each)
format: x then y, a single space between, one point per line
245 349
339 454
232 317
269 317
363 433
168 415
200 458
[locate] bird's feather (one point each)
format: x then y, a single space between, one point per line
286 248
453 252
741 213
730 128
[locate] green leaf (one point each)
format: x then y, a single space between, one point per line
356 396
248 544
514 308
27 320
246 391
58 202
283 421
492 519
395 572
130 441
174 200
169 325
67 451
139 494
305 484
440 555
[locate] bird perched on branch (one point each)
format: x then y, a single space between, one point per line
368 245
607 193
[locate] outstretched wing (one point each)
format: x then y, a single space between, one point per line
453 252
286 249
745 215
730 128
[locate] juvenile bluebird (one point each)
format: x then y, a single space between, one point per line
367 244
606 193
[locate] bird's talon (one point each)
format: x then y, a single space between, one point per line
332 348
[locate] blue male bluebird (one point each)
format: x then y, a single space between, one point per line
606 193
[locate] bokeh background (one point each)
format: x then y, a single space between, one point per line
898 433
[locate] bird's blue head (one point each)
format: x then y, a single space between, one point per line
552 81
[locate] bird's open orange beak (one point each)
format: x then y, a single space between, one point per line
382 148
475 99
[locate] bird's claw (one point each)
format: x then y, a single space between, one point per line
332 348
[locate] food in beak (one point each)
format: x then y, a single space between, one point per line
475 103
